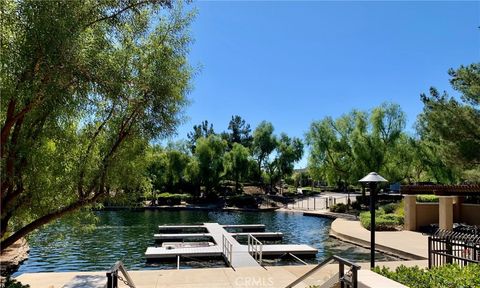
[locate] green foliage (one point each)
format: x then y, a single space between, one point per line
383 222
448 276
199 131
242 201
237 164
239 132
172 199
264 142
13 283
209 153
427 198
389 208
342 150
450 126
338 208
88 86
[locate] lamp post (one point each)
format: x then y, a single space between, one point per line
372 179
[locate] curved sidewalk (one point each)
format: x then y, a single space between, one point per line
406 244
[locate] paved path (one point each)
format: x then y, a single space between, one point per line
407 244
276 276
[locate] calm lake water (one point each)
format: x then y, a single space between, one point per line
125 235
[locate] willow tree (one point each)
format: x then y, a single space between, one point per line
345 149
81 82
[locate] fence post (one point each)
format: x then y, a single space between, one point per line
429 252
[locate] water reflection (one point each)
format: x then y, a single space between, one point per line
125 235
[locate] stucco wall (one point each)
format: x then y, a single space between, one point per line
427 213
470 213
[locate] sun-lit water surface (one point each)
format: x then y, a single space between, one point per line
125 235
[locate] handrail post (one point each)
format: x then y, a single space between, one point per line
341 273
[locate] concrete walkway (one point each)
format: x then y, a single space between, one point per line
406 244
272 276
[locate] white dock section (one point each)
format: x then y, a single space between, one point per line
245 226
260 235
236 254
180 227
181 236
162 252
296 249
184 236
240 255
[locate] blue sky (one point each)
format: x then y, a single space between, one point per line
291 63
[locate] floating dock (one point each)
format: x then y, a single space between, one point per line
223 244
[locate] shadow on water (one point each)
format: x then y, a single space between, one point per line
125 235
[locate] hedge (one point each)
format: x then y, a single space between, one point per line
172 199
427 198
448 276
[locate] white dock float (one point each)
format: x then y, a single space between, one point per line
164 253
181 236
260 235
180 227
236 254
245 226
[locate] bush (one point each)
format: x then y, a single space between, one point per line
383 222
172 199
242 201
338 208
451 276
427 198
389 208
13 283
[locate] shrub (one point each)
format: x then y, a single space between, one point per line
389 208
427 198
242 201
451 276
13 283
383 222
338 208
172 199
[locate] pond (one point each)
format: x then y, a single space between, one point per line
125 235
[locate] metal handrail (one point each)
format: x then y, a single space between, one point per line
255 248
227 248
341 266
113 277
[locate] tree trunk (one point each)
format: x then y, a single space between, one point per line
44 220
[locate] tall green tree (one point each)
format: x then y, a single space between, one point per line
202 130
264 142
452 124
80 82
345 149
237 163
240 132
288 151
209 153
